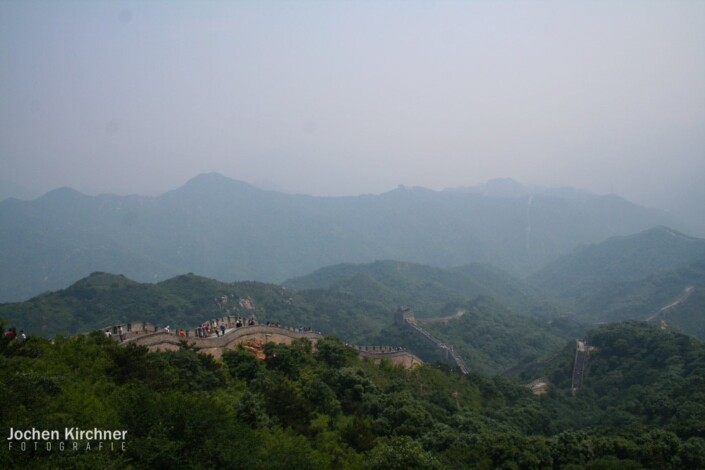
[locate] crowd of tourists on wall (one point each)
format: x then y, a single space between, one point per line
208 328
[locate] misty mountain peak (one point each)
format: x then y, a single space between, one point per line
210 183
499 188
209 179
504 187
63 195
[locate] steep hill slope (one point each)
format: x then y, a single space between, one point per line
633 277
426 288
619 259
688 316
105 299
228 230
645 298
358 309
488 336
638 375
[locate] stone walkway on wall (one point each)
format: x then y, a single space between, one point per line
410 319
253 335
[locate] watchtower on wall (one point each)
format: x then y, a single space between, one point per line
404 314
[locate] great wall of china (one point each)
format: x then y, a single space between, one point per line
405 315
251 336
582 356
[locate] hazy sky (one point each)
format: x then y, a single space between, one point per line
336 98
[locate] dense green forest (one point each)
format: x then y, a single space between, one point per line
356 306
488 336
305 408
184 301
427 288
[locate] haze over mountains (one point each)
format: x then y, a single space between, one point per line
630 277
228 230
444 323
8 189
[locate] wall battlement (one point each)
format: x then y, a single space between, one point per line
161 339
404 315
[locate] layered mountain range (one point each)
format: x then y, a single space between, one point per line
226 229
493 319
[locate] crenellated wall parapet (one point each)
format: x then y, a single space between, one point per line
171 340
163 339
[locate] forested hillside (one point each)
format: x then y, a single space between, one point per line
641 407
492 339
639 376
357 299
104 299
645 298
633 277
618 260
359 309
427 288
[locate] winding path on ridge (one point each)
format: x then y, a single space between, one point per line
679 300
447 348
445 319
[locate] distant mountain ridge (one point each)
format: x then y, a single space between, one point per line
229 230
510 188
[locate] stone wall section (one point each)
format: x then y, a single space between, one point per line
163 340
